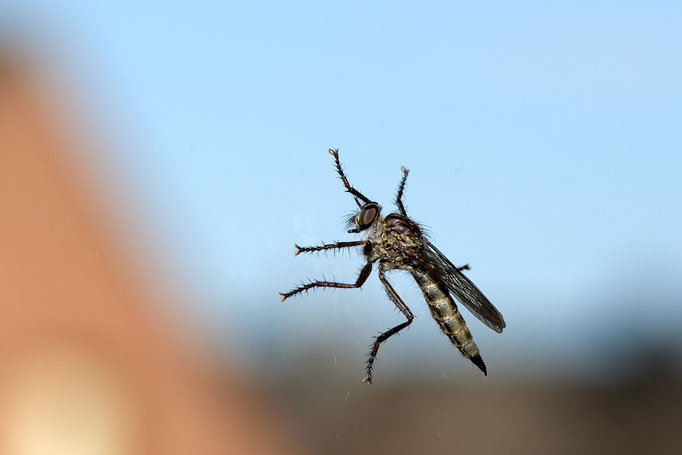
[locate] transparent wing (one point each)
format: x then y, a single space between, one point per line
463 289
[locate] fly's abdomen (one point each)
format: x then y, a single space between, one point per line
445 312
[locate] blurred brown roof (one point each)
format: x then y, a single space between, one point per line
87 363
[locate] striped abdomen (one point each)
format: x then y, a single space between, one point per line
445 312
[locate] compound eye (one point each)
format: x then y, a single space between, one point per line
367 215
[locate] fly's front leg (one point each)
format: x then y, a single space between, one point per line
393 295
362 277
401 188
356 194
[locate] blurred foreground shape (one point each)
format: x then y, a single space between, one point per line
88 365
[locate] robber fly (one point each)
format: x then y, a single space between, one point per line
397 242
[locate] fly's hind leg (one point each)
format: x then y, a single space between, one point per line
395 298
362 277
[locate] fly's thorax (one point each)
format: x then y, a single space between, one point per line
373 251
375 231
402 228
397 241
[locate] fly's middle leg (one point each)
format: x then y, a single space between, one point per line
362 277
395 298
326 247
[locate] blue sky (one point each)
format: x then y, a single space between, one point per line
543 141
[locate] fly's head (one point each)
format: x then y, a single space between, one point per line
365 218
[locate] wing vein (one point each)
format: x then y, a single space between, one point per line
462 288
